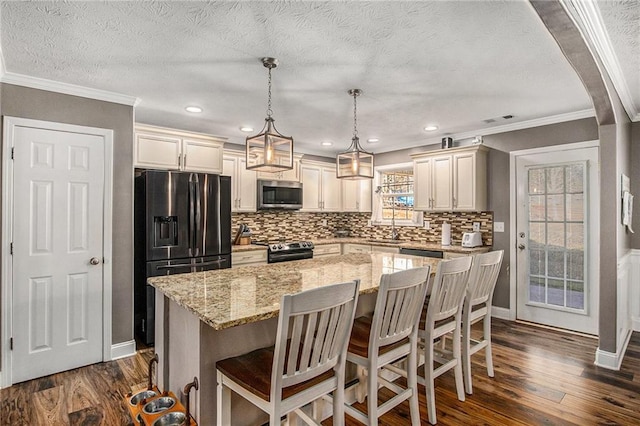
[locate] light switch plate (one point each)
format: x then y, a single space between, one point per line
498 226
476 226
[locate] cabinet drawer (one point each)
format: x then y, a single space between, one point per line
249 257
326 249
355 248
385 249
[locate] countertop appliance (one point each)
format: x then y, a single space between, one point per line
471 239
283 252
279 194
182 224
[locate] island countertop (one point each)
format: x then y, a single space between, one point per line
227 298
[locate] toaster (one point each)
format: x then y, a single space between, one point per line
471 239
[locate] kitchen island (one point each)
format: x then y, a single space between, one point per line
212 315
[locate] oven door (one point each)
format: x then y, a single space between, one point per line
290 255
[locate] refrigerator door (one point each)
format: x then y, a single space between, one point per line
167 215
212 214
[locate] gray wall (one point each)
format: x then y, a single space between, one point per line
37 104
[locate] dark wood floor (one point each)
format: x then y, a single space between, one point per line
543 377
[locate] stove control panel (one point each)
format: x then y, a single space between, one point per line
298 245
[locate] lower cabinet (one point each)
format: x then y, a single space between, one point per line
248 258
327 250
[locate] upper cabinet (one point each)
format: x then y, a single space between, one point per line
321 189
243 181
356 195
169 149
289 175
451 180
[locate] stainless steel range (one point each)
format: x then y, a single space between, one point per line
282 252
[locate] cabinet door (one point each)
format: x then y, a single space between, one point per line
331 190
442 183
422 175
311 181
350 195
157 152
229 165
364 199
247 187
293 174
464 181
202 156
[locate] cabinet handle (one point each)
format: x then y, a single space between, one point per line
179 161
184 161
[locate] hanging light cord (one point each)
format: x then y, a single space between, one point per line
355 116
269 110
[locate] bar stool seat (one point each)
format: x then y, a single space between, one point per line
359 342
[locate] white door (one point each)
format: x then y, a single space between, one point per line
442 183
331 190
57 280
311 181
557 238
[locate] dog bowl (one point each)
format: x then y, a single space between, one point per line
159 404
140 396
174 418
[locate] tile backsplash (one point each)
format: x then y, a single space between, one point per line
295 225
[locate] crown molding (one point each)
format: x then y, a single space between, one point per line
593 28
66 88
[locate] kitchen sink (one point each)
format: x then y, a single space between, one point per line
382 241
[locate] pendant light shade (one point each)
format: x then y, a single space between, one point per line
355 162
269 151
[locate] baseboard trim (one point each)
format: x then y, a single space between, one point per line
123 350
635 324
501 313
612 361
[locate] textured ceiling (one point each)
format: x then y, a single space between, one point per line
452 63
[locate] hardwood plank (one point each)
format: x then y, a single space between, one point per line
90 416
50 407
80 393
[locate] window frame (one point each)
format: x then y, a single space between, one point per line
377 179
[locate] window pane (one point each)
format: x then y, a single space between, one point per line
575 236
555 235
575 178
536 289
575 265
536 262
536 233
575 207
555 180
555 263
536 207
536 181
575 294
555 292
555 208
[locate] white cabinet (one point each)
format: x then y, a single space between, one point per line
243 182
451 180
327 250
169 149
356 195
249 257
321 189
289 175
384 249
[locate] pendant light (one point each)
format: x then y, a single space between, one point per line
354 163
269 151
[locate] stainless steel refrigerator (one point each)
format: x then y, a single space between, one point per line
182 224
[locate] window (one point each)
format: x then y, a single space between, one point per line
393 198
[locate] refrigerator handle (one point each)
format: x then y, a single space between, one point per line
191 215
198 218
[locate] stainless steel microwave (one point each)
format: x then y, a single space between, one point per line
278 194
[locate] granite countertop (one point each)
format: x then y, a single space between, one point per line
227 298
421 245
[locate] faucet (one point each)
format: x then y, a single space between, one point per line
394 231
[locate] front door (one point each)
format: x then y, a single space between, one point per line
57 234
557 238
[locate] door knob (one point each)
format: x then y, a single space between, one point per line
94 261
521 246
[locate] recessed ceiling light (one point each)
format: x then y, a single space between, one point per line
431 128
195 109
246 129
373 140
326 143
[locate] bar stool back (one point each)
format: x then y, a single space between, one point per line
307 362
